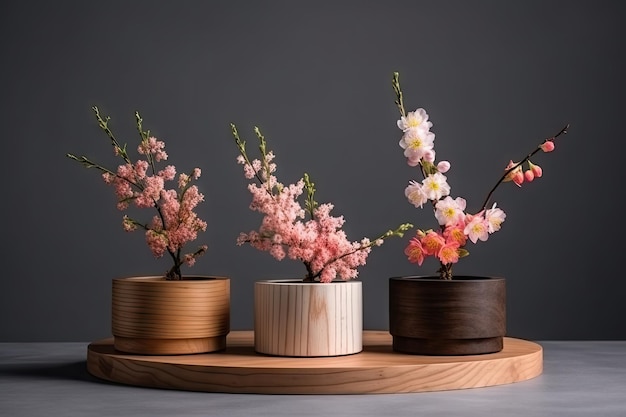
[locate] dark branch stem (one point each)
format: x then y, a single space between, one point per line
526 158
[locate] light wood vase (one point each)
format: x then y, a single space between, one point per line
462 316
155 316
308 319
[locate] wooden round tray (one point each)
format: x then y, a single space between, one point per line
377 369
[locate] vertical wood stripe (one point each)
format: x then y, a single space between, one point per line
295 318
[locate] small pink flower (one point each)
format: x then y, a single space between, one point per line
414 192
277 252
432 243
415 251
141 167
128 224
417 119
494 217
157 243
449 254
154 147
168 173
450 211
189 259
417 143
455 234
183 180
435 186
547 146
242 238
477 229
108 178
248 171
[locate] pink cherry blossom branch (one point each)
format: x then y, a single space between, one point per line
563 131
474 227
426 168
174 272
284 211
187 222
241 145
145 135
104 125
399 232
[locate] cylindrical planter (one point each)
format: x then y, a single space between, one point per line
155 316
462 316
308 319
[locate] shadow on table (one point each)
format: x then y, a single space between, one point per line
73 371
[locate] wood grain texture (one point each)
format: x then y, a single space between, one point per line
377 369
461 316
308 319
154 316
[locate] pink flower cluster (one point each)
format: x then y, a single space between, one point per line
456 226
447 244
140 183
175 223
319 241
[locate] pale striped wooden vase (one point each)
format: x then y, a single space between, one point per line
308 319
155 316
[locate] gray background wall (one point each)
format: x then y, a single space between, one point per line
496 77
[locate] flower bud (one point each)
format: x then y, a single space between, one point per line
429 155
547 146
412 162
516 175
529 176
443 166
518 178
536 169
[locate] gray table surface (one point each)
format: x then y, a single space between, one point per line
580 378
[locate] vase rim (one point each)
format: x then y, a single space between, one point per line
298 281
161 278
456 278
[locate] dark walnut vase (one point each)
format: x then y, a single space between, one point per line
462 316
